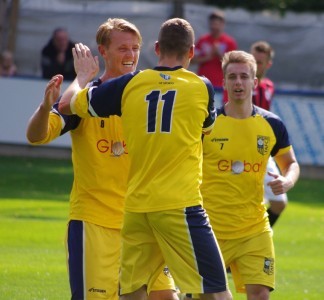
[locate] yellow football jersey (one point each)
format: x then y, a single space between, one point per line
164 112
235 159
100 164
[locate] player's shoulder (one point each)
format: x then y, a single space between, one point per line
273 119
204 79
114 85
208 84
220 111
266 114
124 79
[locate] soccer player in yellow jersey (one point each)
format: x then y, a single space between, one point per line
235 161
101 166
164 112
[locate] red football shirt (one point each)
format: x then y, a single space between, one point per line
213 69
263 94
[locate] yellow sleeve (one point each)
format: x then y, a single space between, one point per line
55 125
283 150
79 104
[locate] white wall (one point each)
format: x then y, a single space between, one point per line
302 114
19 99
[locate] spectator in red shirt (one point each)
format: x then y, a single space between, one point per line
210 48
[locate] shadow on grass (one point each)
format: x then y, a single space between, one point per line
38 218
32 178
48 179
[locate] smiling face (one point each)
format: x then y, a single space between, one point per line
122 54
239 81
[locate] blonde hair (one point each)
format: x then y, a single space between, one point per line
238 56
105 29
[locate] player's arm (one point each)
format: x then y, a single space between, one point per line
86 67
209 121
37 126
290 171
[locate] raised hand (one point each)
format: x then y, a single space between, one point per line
85 64
52 91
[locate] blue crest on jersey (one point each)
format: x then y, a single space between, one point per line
165 77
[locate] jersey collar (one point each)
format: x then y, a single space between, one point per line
222 110
161 68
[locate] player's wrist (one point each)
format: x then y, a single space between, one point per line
83 79
45 107
290 183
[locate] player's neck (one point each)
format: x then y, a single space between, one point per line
238 109
172 62
109 75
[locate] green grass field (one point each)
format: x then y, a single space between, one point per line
33 213
34 209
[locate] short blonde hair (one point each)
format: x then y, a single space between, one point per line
105 29
241 57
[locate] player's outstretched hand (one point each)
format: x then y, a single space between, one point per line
85 64
52 91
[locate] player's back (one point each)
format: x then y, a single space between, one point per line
163 112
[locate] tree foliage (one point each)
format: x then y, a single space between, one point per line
276 5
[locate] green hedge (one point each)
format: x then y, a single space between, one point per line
278 5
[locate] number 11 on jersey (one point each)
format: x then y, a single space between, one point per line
153 99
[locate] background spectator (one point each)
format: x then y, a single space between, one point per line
57 56
7 64
211 47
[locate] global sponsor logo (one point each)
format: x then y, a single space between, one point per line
238 167
112 147
263 144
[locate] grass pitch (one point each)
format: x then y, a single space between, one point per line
34 208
